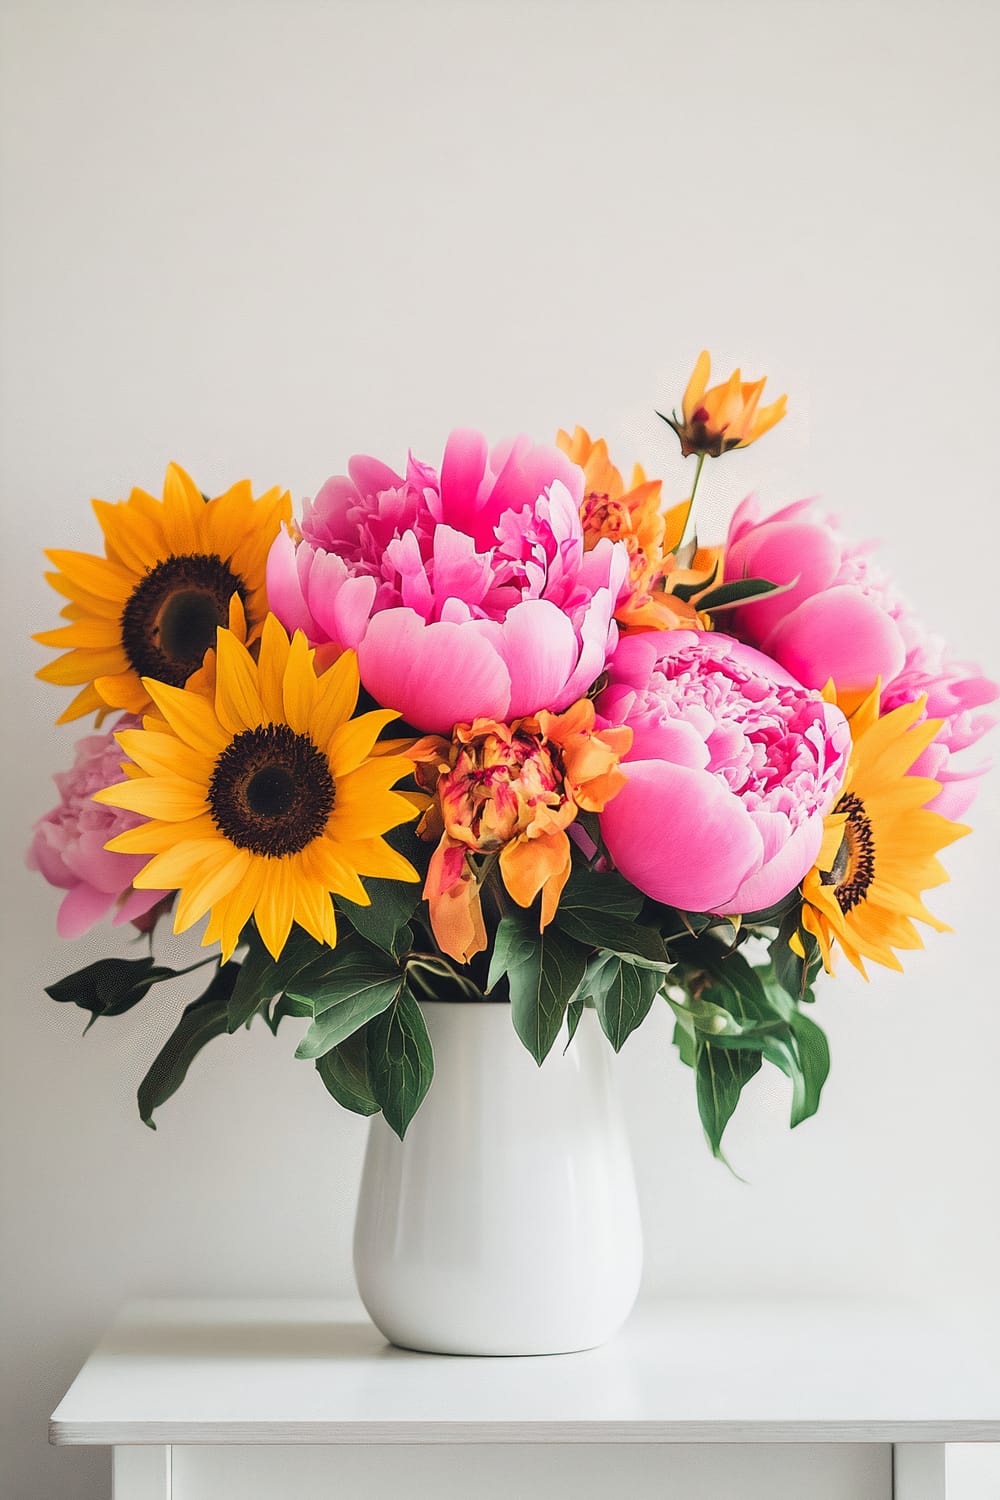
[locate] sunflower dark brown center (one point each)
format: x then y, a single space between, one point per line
271 791
172 615
854 867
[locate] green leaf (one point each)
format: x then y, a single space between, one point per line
544 970
345 1072
793 973
720 1077
742 591
574 1011
687 591
514 945
111 986
606 892
400 1061
203 1019
262 977
623 994
355 983
685 1043
711 1017
598 911
393 902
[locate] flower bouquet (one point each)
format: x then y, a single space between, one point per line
500 731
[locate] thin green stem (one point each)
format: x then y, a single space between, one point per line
689 537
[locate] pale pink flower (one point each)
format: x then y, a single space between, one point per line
467 595
732 768
67 846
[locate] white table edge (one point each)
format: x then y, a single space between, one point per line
180 1433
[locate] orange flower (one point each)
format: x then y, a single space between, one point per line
509 791
633 517
727 416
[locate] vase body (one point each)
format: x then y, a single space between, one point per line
506 1221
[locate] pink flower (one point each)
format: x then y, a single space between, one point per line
837 621
467 595
68 843
732 768
955 692
841 620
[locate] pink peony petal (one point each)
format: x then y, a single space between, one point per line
284 591
81 908
371 475
840 634
680 835
781 873
462 470
780 551
435 675
136 904
541 650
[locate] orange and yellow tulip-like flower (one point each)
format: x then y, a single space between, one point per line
727 416
510 791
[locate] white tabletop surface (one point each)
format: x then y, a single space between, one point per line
681 1372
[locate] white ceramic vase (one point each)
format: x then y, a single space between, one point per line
506 1221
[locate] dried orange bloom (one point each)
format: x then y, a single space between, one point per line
727 416
509 790
633 517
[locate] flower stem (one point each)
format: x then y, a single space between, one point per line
689 538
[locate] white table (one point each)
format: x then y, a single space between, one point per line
265 1400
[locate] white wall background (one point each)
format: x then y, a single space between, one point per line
258 237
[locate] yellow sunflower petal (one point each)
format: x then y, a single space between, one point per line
152 837
87 701
275 907
171 799
352 742
271 668
339 687
237 695
165 755
190 716
299 685
96 575
211 884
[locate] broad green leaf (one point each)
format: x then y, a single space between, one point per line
203 1019
720 1077
623 995
814 1067
400 1061
604 891
542 981
597 929
574 1011
284 1006
111 986
354 984
262 977
345 1072
711 1015
393 902
514 944
684 1041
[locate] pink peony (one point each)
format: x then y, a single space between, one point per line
732 768
68 842
838 620
467 595
841 620
955 693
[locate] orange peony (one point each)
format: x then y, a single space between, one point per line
505 794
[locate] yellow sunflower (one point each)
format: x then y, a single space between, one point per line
879 843
173 572
265 800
